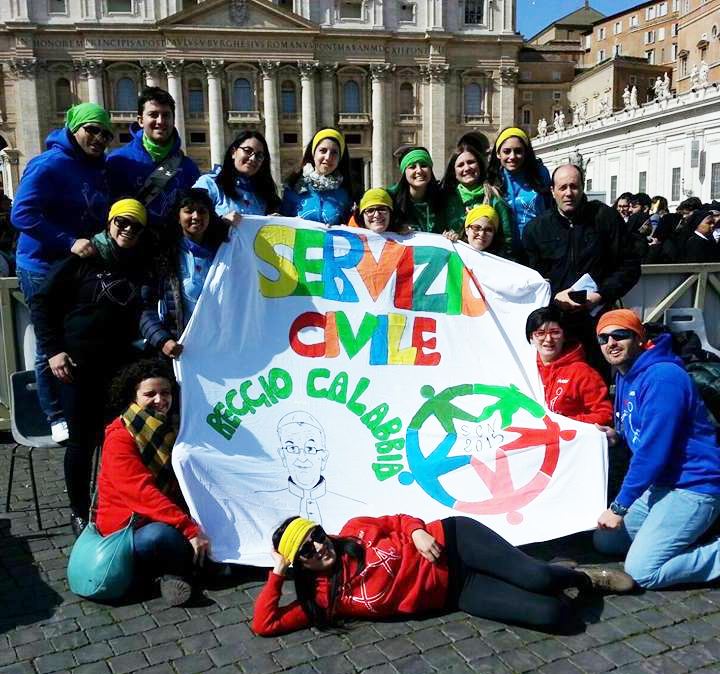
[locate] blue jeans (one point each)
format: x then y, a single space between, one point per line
161 549
658 534
47 384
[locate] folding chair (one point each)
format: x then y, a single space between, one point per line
30 428
680 319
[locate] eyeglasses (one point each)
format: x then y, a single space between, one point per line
250 153
376 210
553 333
93 130
296 449
127 223
478 229
307 549
617 335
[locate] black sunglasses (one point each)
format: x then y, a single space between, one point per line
307 549
127 223
98 131
617 335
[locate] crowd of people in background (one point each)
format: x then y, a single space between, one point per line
116 247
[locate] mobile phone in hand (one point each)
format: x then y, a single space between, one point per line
578 296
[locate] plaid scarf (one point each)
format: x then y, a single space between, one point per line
154 436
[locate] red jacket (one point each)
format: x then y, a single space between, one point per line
396 579
574 389
126 486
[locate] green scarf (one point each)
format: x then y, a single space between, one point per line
471 194
155 150
107 248
154 435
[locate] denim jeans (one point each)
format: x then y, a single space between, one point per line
161 549
47 384
658 533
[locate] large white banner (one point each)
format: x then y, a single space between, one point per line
335 372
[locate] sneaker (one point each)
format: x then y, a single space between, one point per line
608 580
175 590
59 431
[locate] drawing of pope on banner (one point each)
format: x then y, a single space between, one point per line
333 373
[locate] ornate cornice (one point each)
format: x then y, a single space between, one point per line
269 68
213 67
509 74
24 68
308 69
174 68
435 72
152 67
381 71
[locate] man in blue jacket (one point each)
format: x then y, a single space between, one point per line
151 167
671 493
62 201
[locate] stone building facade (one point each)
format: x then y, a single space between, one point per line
385 73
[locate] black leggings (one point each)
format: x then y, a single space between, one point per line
492 579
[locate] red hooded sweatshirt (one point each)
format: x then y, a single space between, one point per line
395 580
574 389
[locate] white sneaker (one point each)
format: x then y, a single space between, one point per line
59 431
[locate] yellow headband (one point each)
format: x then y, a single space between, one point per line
509 133
293 536
375 197
482 211
329 133
130 207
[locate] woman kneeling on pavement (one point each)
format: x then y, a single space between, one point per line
382 567
572 387
136 477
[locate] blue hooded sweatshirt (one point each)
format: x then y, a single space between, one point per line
245 200
130 165
663 419
329 207
63 196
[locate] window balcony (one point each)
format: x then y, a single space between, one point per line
289 116
244 116
354 118
198 116
483 118
407 119
123 116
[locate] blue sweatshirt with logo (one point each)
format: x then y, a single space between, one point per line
63 196
663 419
130 165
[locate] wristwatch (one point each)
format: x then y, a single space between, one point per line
616 508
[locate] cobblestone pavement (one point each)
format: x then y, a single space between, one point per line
44 628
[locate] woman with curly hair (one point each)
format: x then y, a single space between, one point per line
243 184
416 196
136 478
392 566
522 179
321 189
169 301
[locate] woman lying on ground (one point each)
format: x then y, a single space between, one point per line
136 477
181 270
572 387
382 567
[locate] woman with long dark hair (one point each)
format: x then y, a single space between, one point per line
382 567
465 186
522 179
417 196
169 300
244 183
321 188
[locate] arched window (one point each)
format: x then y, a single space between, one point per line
196 100
126 94
63 95
288 98
351 97
407 99
242 95
473 100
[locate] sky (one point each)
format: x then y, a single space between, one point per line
533 15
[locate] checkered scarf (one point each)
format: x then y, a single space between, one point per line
154 435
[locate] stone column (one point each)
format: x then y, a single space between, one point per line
380 137
327 94
270 112
26 103
93 69
309 116
214 70
175 89
153 71
434 114
508 85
